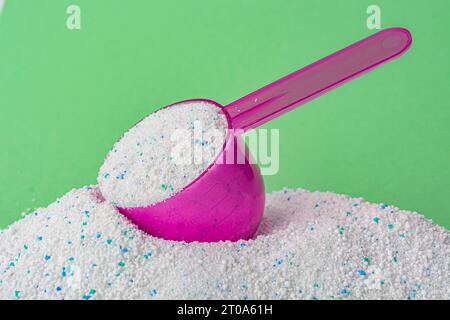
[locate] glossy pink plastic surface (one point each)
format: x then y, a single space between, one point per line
226 202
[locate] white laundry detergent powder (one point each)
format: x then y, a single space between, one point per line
155 159
310 245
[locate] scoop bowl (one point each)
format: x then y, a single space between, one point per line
226 202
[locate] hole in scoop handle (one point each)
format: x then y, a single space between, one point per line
318 78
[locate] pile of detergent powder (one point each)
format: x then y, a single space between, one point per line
310 245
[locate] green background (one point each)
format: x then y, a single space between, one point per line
67 95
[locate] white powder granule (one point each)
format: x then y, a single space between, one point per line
311 245
155 159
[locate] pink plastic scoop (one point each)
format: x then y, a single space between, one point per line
226 202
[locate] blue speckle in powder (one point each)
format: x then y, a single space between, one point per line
361 272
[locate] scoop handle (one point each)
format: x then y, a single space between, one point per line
314 80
